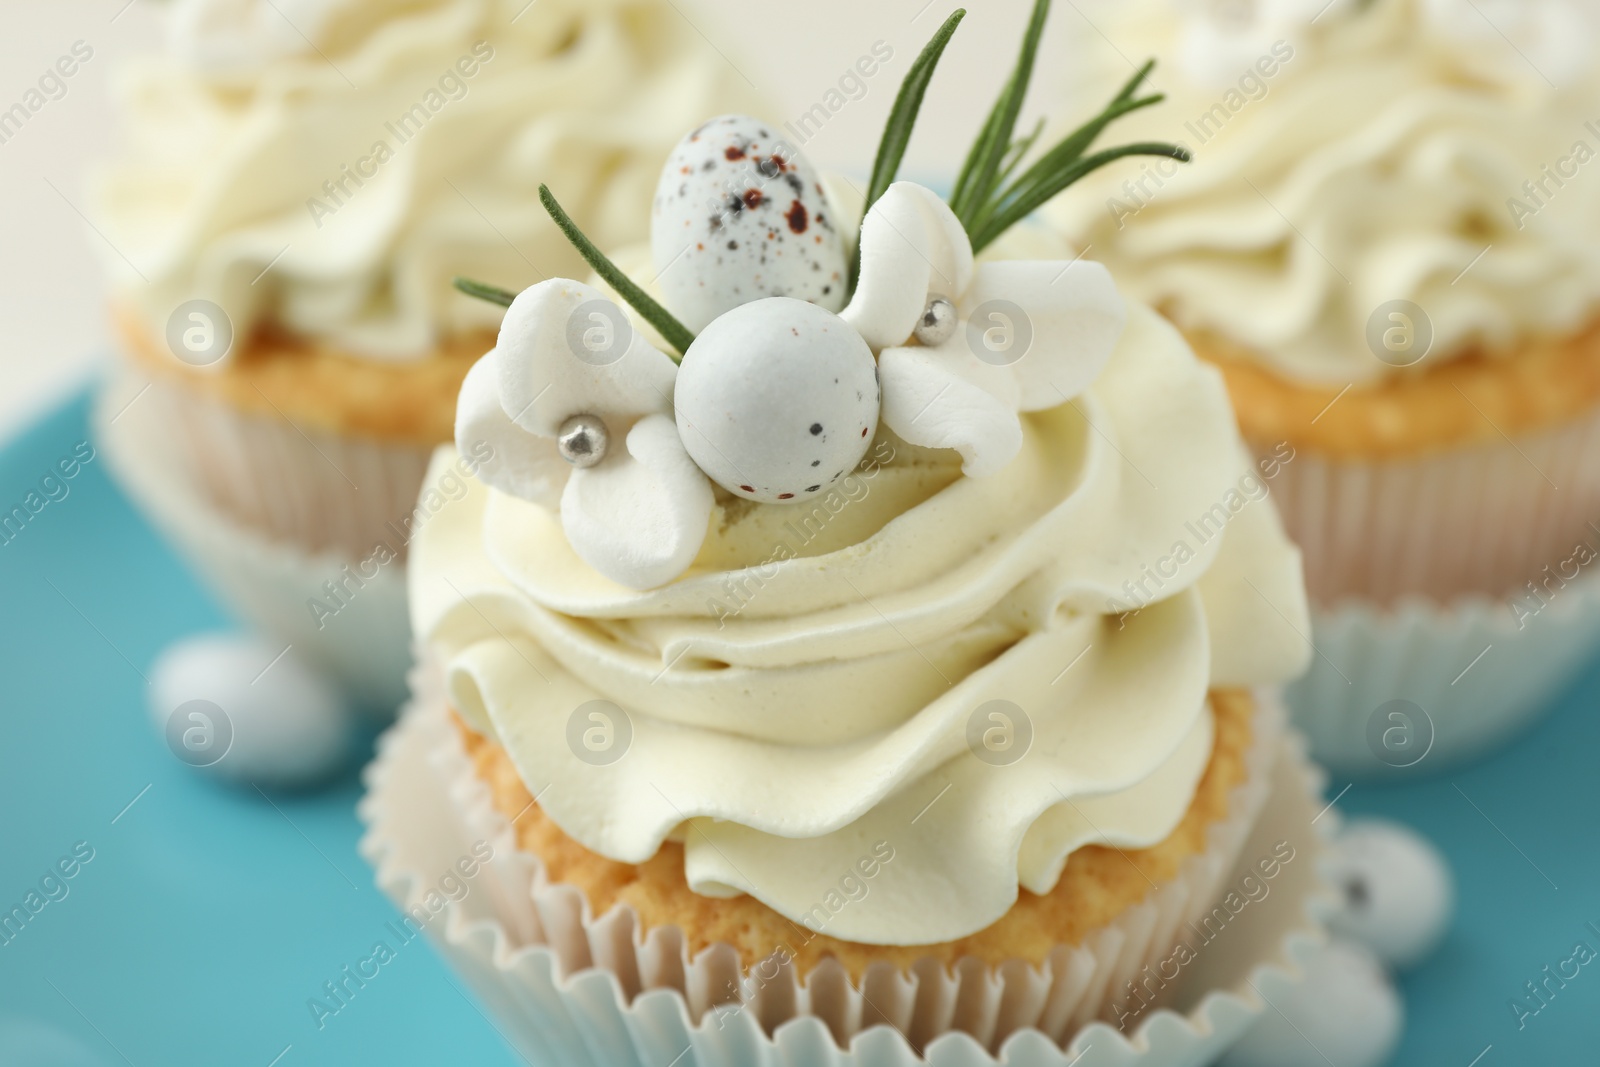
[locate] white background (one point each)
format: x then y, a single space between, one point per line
52 298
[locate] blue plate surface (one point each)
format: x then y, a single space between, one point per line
208 917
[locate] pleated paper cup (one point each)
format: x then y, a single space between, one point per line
347 617
571 988
1454 595
316 491
1484 520
1420 687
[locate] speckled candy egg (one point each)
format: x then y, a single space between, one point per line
777 400
1398 891
249 710
1345 1011
740 215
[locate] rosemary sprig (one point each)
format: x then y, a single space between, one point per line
672 331
675 332
1065 164
1018 150
492 293
977 182
986 199
902 120
1014 211
1073 145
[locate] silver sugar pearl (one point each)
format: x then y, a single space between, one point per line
583 441
938 322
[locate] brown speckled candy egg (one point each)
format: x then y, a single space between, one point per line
777 400
740 215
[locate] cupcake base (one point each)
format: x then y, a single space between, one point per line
1464 476
316 491
1493 517
1459 590
567 987
305 443
1420 688
348 619
1098 885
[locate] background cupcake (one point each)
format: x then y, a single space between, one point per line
1382 243
299 184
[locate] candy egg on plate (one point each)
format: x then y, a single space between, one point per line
1345 1012
739 215
240 708
1398 890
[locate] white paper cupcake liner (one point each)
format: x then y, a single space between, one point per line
1485 519
317 491
362 642
566 987
1470 675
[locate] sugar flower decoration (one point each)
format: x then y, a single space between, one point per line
1023 336
639 514
800 352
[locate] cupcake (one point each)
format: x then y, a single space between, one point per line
1381 244
299 184
823 650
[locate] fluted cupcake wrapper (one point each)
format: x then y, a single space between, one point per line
1453 594
1485 520
571 988
1420 687
349 619
314 491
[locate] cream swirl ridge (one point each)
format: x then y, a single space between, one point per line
1369 156
328 166
779 740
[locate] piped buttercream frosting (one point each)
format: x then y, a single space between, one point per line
820 687
1351 157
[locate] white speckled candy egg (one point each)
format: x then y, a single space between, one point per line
777 400
1398 893
1344 1012
739 215
244 709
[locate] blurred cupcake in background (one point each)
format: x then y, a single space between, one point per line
299 183
1385 242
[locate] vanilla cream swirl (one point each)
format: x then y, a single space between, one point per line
1386 158
804 695
330 165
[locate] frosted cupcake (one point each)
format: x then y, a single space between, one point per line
782 644
1381 244
298 185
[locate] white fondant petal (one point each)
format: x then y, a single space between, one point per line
895 272
566 349
1074 316
639 517
518 462
945 398
912 246
949 249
